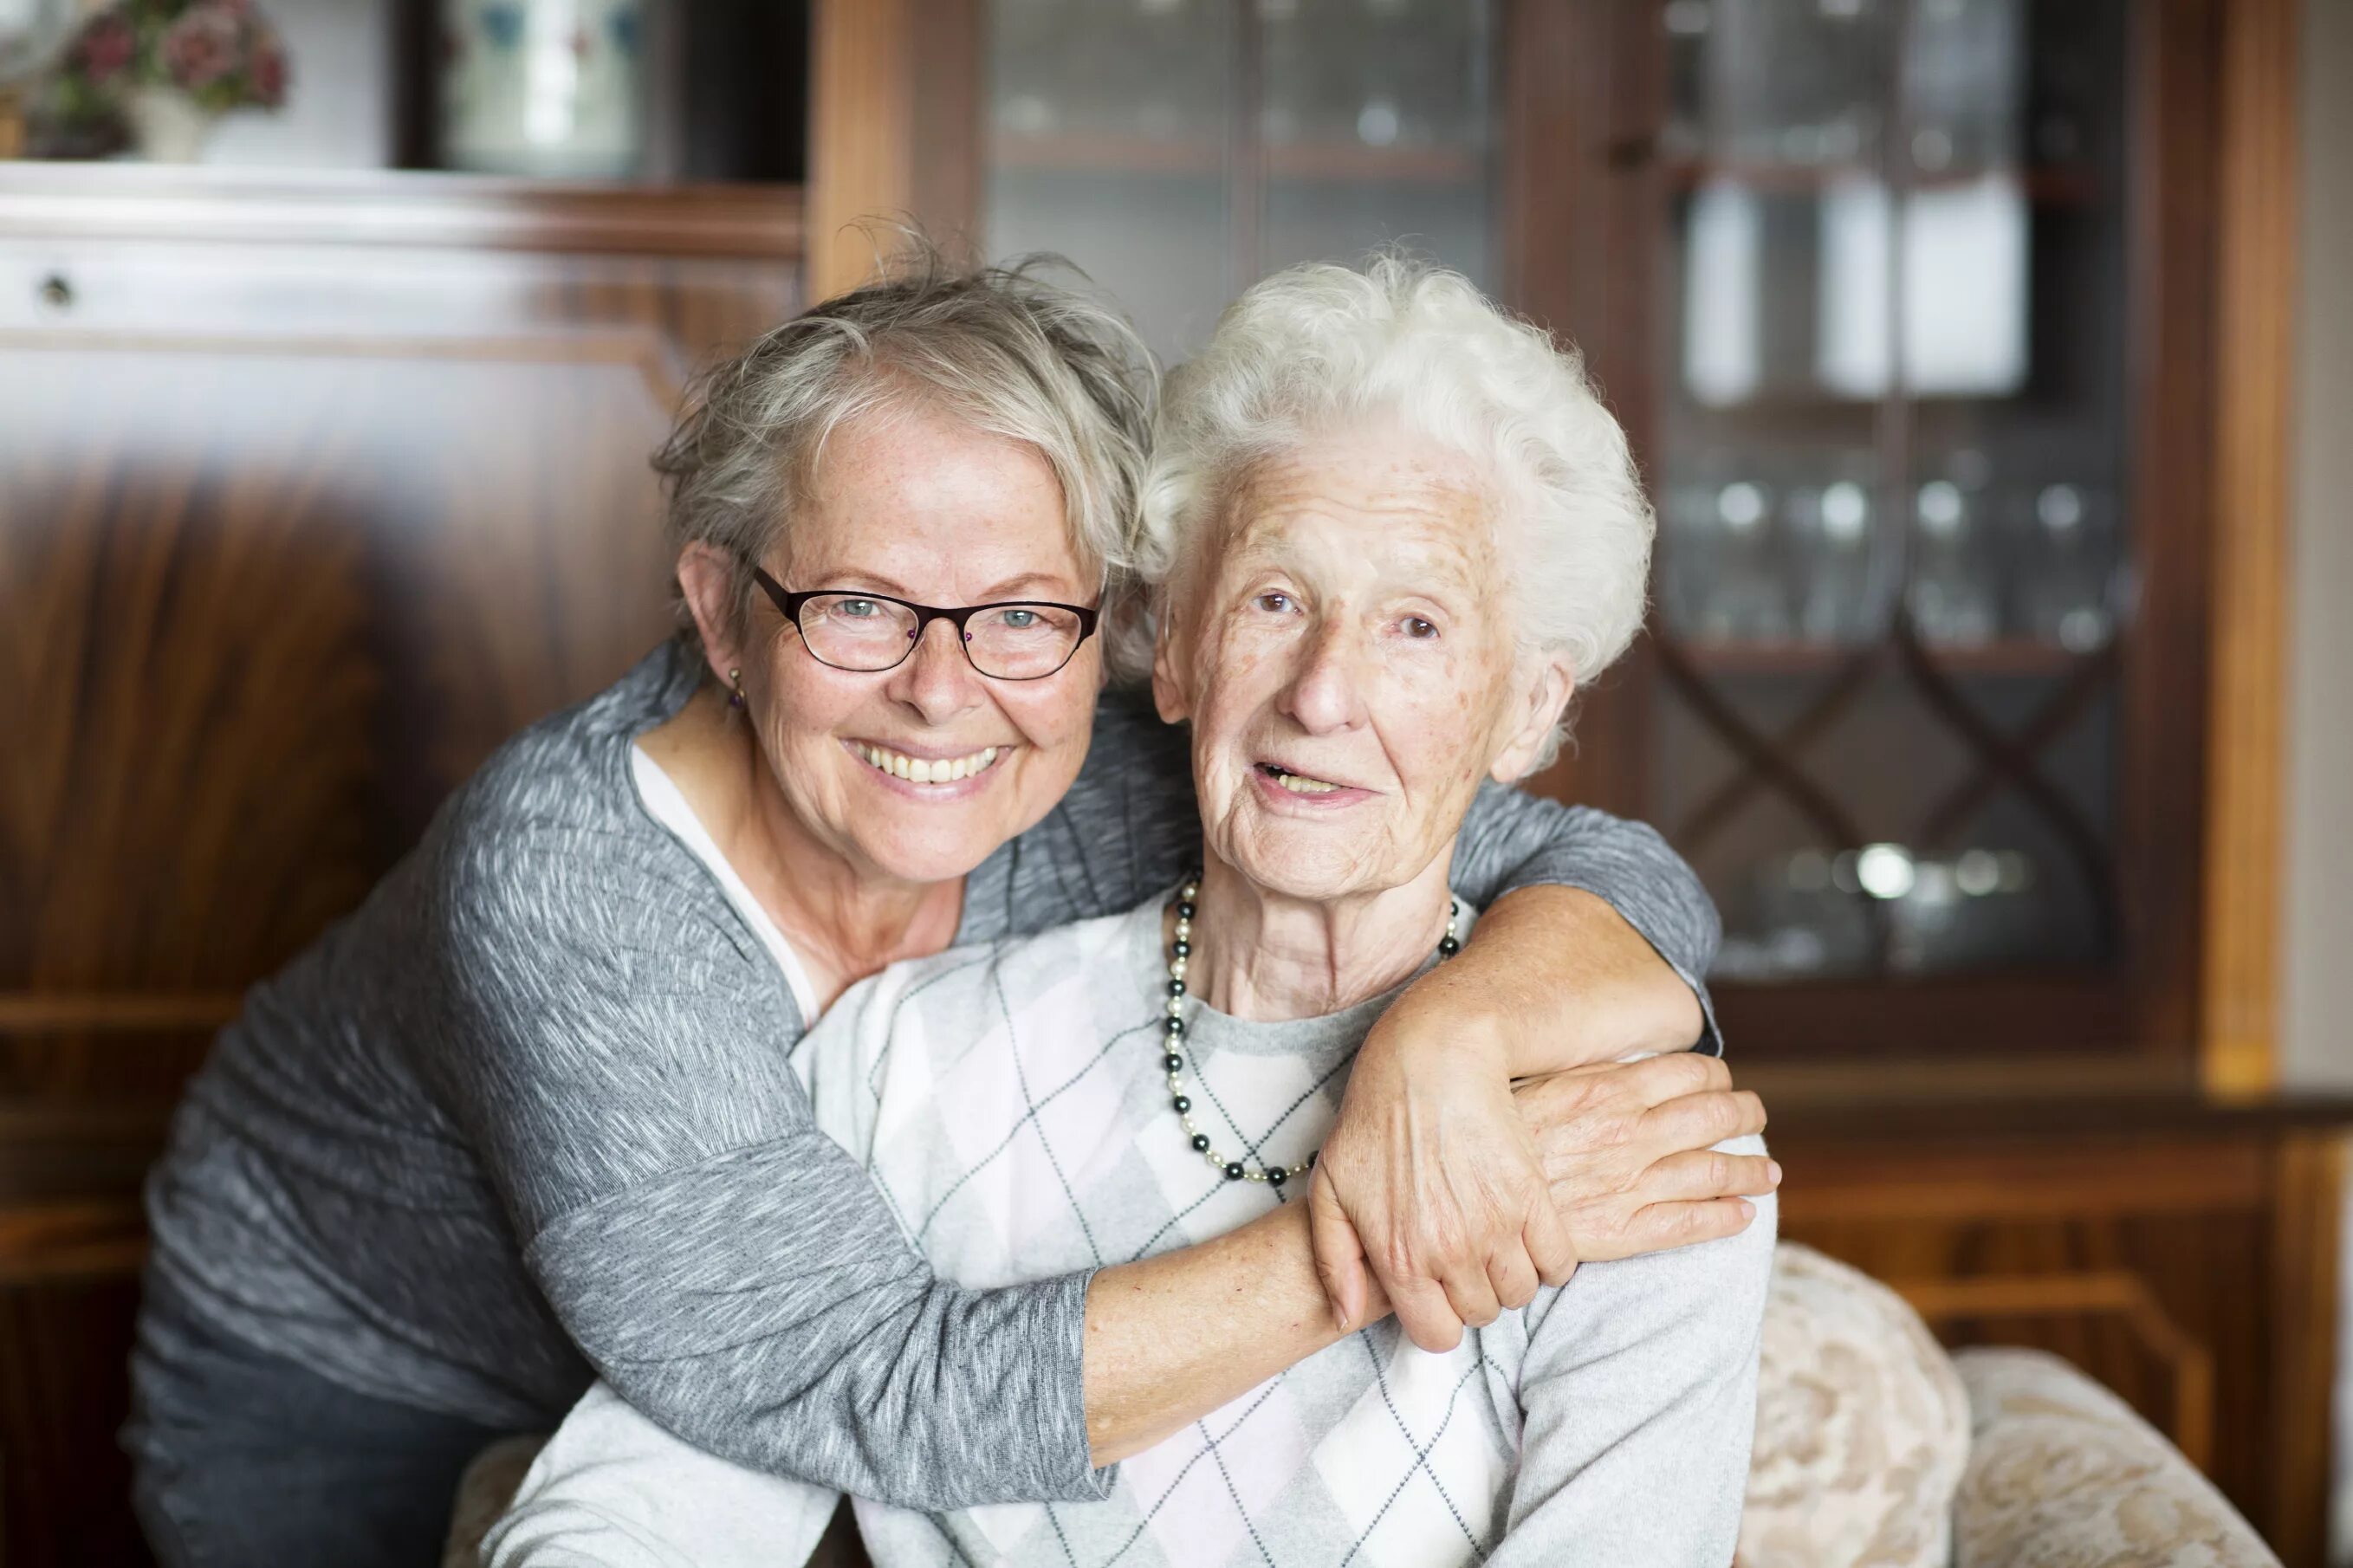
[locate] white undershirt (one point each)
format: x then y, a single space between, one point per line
668 805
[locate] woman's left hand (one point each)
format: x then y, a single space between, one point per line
1431 1179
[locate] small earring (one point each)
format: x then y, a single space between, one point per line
736 679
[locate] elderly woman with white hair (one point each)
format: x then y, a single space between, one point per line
1388 531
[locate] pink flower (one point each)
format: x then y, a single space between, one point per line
269 76
202 47
107 45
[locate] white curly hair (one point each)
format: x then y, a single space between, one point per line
1319 347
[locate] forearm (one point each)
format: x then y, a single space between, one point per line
1554 978
1174 1337
766 1308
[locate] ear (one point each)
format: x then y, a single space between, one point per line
1169 692
1546 694
706 578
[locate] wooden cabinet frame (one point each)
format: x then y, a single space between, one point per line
2189 998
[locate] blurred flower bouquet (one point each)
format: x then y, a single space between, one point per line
168 68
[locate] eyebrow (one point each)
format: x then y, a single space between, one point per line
1011 589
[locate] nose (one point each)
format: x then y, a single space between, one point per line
1325 693
937 680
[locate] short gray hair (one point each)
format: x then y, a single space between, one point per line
1001 347
1318 347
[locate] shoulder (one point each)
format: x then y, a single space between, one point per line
547 852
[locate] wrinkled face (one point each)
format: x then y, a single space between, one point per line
918 773
1342 641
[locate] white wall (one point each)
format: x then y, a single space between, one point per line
2317 1018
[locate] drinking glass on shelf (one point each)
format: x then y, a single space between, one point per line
1965 81
1723 584
1951 590
2066 564
1827 541
1792 81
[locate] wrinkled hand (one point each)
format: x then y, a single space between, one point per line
1628 1148
1434 1181
1455 1194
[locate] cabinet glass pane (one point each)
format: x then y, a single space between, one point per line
1894 557
1180 150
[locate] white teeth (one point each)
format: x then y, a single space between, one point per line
925 770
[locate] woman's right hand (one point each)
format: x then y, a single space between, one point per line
1629 1150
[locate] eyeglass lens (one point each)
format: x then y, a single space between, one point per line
1009 642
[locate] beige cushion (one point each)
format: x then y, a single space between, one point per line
1862 1426
2063 1474
489 1485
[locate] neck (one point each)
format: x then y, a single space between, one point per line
845 921
1266 956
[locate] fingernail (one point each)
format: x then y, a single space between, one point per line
1747 1209
1772 1169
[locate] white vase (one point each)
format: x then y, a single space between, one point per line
547 87
167 126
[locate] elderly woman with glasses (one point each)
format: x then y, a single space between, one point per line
1388 531
529 1112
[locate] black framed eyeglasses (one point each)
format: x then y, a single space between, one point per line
1014 639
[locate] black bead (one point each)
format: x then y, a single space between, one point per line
1448 947
1311 1158
1184 1106
1200 1142
1176 988
1181 949
1234 1172
1276 1176
1173 1025
1173 1062
1185 911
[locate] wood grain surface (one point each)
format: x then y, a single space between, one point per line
312 490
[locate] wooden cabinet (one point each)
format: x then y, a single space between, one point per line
313 490
1916 311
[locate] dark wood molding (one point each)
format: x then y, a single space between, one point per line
87 202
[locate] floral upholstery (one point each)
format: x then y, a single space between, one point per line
2061 1474
1862 1426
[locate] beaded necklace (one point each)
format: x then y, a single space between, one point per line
1180 953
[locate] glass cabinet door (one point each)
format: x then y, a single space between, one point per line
1180 150
1896 564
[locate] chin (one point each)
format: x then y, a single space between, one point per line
1300 863
936 853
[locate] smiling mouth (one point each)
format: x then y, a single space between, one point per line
928 770
1297 783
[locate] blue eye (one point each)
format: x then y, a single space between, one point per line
1020 620
856 609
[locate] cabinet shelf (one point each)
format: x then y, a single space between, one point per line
2018 657
383 206
1335 161
2047 185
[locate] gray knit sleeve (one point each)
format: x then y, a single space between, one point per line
1638 1401
1130 827
622 1074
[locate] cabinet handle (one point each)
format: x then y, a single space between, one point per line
57 292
